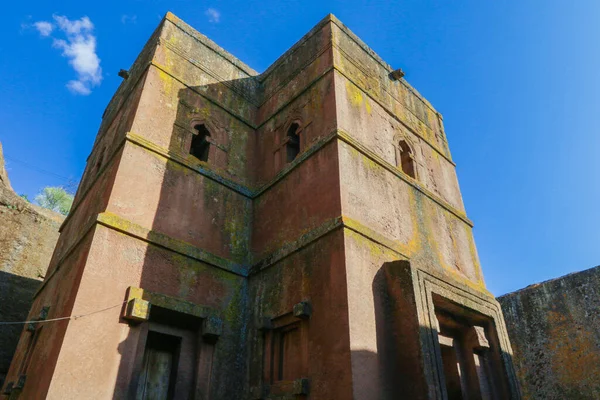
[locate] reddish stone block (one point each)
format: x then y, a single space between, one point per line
267 231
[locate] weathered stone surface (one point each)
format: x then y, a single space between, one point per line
27 237
4 181
554 328
282 227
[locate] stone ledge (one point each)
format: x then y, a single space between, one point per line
252 124
295 47
166 70
335 134
81 196
411 128
198 167
345 137
187 29
122 225
166 302
247 95
253 193
377 58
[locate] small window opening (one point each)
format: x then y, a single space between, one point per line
293 142
407 162
200 144
159 374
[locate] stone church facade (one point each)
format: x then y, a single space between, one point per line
294 234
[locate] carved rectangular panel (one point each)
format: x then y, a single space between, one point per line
440 338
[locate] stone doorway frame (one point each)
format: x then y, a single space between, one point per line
412 291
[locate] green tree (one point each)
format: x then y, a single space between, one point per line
24 197
55 199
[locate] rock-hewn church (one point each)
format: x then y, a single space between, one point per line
292 234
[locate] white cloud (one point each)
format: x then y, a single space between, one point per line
79 46
76 27
213 15
45 28
128 18
78 87
81 52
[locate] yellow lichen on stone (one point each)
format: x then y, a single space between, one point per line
357 97
167 81
414 244
572 354
375 250
475 258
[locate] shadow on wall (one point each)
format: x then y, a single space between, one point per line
196 209
395 368
410 358
204 203
16 297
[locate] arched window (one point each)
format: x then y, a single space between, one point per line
200 144
293 142
406 159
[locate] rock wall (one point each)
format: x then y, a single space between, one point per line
27 237
4 182
554 329
272 254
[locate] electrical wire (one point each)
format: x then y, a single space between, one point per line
38 169
74 317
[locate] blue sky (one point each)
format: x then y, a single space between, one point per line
518 83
